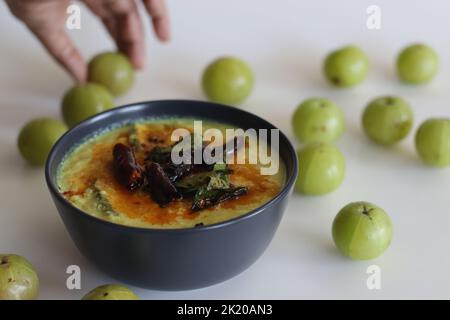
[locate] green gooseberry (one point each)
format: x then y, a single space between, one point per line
37 138
227 80
387 120
362 231
18 278
318 120
433 142
111 292
84 101
113 70
417 64
321 169
346 67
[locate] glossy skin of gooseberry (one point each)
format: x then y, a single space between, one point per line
321 169
227 80
111 292
113 70
346 67
362 231
387 120
84 101
37 138
318 120
433 142
417 64
18 279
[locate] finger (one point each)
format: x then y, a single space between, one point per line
60 46
109 8
121 19
130 37
160 18
111 26
100 10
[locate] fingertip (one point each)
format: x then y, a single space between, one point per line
81 77
139 64
80 81
162 31
139 56
77 68
164 38
135 55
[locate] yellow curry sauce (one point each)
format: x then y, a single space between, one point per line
87 180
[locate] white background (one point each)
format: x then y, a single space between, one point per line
285 43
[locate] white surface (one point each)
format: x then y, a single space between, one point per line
285 42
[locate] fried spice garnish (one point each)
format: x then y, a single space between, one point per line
206 184
126 169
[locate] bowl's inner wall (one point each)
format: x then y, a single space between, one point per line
159 109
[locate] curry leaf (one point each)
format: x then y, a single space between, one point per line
205 198
101 198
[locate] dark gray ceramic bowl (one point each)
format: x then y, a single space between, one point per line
177 259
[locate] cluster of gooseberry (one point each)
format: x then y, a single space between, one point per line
362 230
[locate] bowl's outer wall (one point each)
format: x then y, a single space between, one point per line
173 261
177 259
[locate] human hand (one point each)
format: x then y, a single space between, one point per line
46 19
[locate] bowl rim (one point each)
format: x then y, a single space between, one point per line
284 192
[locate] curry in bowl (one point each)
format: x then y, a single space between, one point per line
125 175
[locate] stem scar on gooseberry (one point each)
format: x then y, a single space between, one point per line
366 211
336 80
